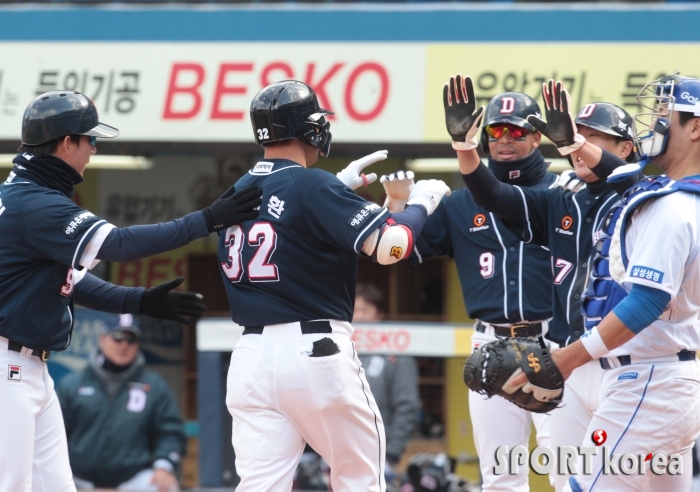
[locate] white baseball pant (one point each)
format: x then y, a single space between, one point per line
496 421
650 408
280 398
33 446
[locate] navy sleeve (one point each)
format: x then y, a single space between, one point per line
57 228
533 208
335 213
434 239
494 196
608 163
95 293
140 241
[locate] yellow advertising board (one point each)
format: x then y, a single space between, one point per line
611 72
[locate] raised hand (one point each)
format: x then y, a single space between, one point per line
462 118
560 127
398 188
352 175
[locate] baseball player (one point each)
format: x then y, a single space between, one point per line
47 244
566 222
290 278
506 283
647 342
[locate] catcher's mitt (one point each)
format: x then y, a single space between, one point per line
492 367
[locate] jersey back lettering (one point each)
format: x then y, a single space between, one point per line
503 279
298 260
42 237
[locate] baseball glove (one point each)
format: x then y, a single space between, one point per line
492 367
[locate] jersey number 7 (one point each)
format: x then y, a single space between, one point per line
262 236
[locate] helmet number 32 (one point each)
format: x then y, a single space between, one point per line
263 134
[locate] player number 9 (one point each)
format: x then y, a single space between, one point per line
486 261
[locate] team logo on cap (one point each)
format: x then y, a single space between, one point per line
14 373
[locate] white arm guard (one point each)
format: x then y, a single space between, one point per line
390 244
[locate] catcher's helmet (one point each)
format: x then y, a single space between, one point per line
509 107
659 99
289 109
59 113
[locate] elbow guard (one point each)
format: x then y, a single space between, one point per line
394 243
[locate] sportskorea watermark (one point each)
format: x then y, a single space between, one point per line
543 460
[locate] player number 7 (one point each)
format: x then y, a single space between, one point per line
565 266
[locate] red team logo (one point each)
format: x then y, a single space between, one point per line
14 373
479 220
566 223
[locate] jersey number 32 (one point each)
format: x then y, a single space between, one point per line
262 236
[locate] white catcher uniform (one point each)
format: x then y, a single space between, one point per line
650 389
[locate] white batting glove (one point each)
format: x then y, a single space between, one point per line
569 181
398 188
428 192
352 175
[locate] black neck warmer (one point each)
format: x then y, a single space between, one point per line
48 171
523 172
597 187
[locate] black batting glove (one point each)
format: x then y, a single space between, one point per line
560 127
461 115
163 302
233 208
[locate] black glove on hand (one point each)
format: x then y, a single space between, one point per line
163 302
461 115
560 127
233 208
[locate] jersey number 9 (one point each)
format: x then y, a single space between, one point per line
262 236
486 261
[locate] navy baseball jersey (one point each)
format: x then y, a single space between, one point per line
503 280
298 260
567 223
43 235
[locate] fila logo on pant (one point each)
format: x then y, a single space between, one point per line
14 373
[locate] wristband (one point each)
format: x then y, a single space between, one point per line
594 345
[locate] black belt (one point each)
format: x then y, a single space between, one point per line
512 331
626 360
17 347
307 328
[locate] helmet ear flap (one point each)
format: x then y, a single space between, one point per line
485 142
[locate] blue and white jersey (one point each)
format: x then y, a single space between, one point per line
504 280
45 243
298 260
656 243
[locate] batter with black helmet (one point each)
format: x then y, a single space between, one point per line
290 275
506 283
47 245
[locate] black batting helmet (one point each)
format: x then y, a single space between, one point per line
290 109
509 107
609 119
59 113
